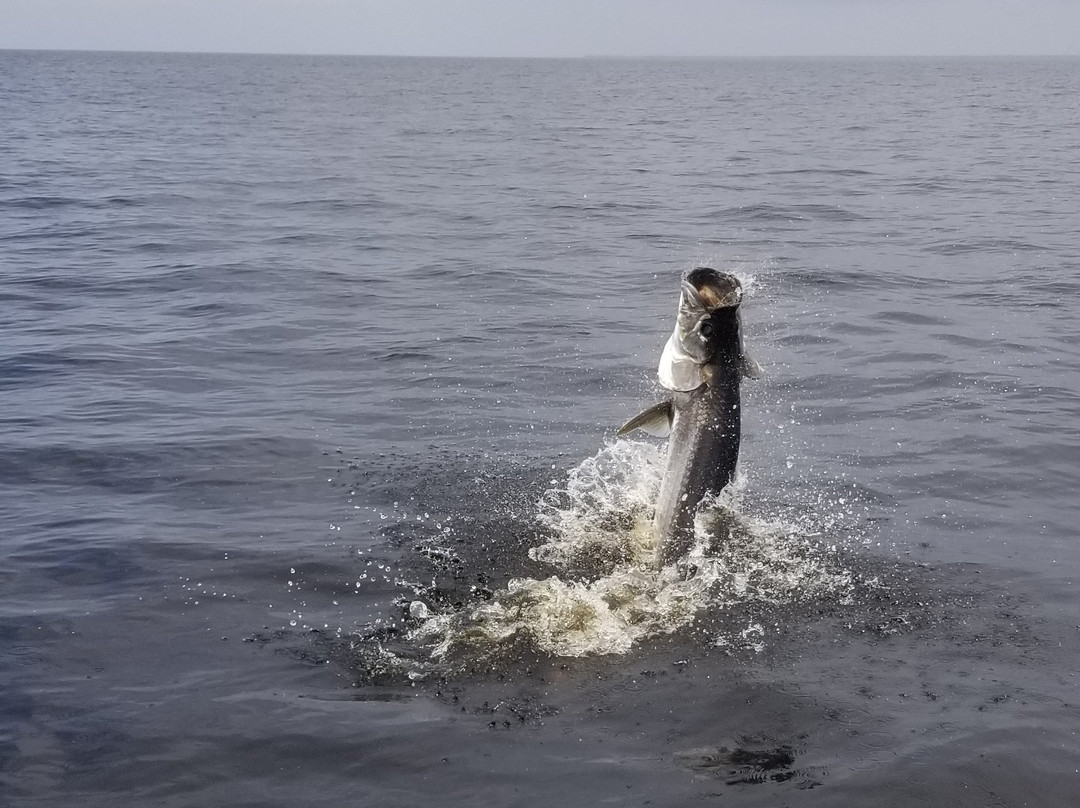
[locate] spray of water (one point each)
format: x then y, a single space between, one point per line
606 592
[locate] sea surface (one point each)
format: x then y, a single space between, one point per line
310 373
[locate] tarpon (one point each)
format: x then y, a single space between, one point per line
702 365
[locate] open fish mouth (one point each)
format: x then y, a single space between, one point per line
709 290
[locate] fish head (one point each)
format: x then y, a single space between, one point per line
707 329
707 298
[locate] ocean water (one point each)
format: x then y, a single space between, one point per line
310 373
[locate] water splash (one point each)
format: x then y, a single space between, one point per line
606 593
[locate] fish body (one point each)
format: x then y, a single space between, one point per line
703 365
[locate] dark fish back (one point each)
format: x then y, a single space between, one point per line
703 451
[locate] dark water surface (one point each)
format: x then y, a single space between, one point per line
309 376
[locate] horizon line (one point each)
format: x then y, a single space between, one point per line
579 57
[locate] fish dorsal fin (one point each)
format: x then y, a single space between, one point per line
655 421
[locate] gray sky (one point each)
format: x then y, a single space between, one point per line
550 27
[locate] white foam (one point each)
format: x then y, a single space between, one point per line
606 594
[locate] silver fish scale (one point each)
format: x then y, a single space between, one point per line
703 450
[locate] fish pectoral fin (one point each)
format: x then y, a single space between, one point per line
655 421
749 368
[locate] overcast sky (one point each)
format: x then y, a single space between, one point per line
549 27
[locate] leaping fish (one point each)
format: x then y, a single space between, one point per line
702 365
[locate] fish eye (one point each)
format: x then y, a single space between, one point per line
705 329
